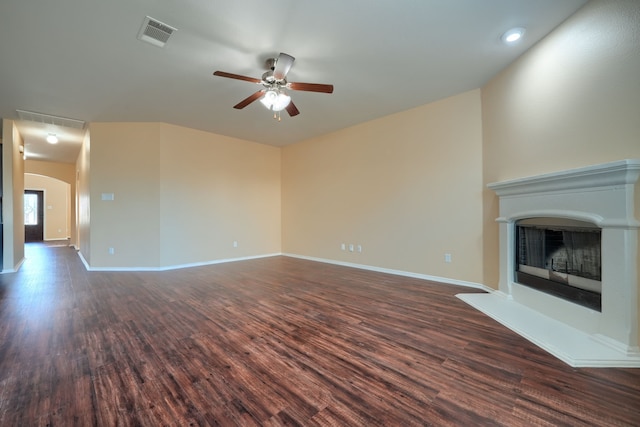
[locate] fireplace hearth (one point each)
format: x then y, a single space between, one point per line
569 253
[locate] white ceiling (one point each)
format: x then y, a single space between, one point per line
81 59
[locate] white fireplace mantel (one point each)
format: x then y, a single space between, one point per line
604 195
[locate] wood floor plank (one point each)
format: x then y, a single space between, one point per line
273 342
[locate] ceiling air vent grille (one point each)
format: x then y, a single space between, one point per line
155 32
49 119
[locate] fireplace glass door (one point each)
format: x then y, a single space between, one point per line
560 257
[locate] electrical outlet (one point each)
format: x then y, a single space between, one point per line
112 251
343 246
351 247
235 243
359 248
447 257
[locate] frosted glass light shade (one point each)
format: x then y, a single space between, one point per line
275 100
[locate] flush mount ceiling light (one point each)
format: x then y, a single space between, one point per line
513 35
52 138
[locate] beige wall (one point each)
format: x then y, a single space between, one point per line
181 196
124 162
57 196
66 173
407 187
570 101
12 197
215 191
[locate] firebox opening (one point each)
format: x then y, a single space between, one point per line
560 257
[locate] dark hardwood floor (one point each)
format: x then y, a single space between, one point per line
275 341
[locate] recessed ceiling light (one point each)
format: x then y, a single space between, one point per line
52 138
513 35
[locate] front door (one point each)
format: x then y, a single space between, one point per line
33 216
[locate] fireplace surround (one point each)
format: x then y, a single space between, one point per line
602 199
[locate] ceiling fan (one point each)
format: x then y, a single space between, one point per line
273 95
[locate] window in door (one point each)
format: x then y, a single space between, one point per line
30 209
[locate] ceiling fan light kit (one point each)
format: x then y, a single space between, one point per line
273 96
275 100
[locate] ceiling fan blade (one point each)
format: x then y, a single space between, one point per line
311 87
248 100
283 65
236 76
292 109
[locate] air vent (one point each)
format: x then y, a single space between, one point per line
155 32
49 119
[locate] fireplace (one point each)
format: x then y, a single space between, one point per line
568 256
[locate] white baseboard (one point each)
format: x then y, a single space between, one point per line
174 267
15 269
323 260
438 279
84 261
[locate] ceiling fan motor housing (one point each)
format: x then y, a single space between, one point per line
268 79
270 64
